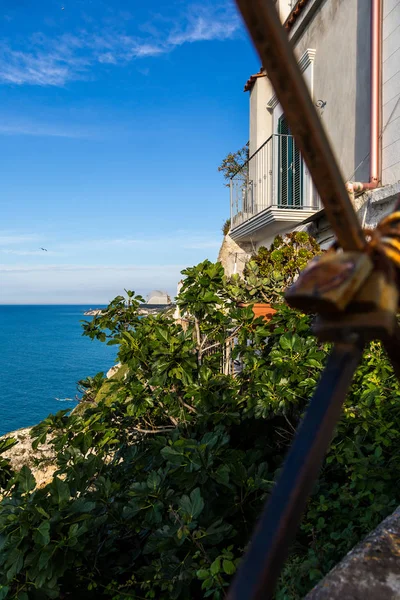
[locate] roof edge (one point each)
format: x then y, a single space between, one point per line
294 14
253 78
288 24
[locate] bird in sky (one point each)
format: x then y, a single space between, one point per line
44 249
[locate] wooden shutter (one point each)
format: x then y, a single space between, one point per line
290 169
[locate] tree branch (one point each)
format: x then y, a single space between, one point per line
154 431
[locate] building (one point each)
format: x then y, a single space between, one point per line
158 298
349 53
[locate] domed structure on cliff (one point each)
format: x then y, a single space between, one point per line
158 297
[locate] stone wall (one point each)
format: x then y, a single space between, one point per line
371 571
371 207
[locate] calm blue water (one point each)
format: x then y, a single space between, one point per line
42 356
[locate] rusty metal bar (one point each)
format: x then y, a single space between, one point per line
272 44
261 566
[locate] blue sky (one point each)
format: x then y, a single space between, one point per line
114 118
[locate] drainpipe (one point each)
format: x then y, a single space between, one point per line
357 187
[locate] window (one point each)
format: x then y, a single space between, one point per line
291 171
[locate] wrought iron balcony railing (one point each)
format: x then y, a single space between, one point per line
275 176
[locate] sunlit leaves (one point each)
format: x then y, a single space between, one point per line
161 478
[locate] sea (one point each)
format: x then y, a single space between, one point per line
42 357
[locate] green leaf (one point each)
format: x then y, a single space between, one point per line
3 591
61 491
172 455
42 534
218 531
44 558
26 480
153 481
192 506
286 341
81 505
201 574
7 444
228 566
222 474
197 502
42 512
216 566
16 559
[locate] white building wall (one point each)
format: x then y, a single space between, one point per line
339 31
260 118
391 92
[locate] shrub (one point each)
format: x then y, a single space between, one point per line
159 484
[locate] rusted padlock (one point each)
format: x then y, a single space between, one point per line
330 282
378 293
371 314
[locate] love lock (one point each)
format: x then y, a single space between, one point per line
370 315
330 282
378 293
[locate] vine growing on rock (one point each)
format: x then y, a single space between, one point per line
160 480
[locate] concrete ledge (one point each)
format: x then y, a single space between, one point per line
271 220
371 571
386 193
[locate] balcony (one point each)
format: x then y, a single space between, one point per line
272 192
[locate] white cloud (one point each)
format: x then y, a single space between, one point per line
82 284
40 68
29 275
205 26
76 267
28 252
108 58
8 238
155 245
40 129
54 62
177 239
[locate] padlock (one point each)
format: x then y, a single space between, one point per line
378 293
330 282
371 314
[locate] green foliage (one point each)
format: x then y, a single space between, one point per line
160 481
289 255
234 162
90 386
359 483
119 316
226 227
271 271
6 471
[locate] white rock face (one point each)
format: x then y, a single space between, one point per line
113 370
232 256
158 297
23 454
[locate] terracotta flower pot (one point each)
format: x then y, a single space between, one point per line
261 309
